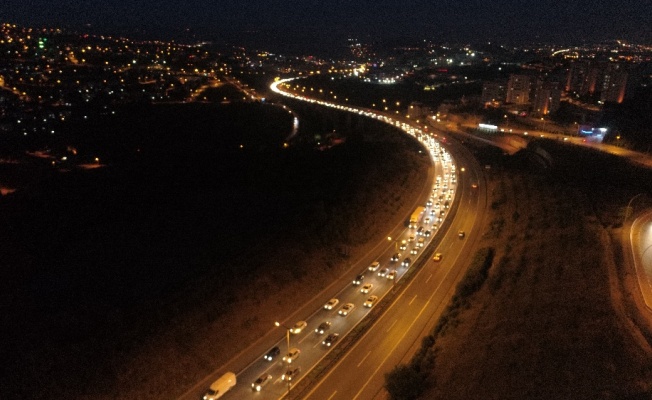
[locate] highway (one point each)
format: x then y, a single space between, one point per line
397 335
410 315
640 238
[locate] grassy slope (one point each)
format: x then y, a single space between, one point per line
543 326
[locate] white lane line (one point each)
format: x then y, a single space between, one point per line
332 395
390 327
428 278
389 353
363 358
412 301
304 338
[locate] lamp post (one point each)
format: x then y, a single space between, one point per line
395 242
287 337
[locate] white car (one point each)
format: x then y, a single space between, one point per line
298 327
367 288
292 355
374 266
331 304
348 307
371 301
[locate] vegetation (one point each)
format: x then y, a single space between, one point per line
138 279
550 322
407 382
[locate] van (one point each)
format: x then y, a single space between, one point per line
220 386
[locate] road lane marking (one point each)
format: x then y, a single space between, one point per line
389 353
412 301
428 278
304 338
363 358
332 395
392 325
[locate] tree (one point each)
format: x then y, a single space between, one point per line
404 383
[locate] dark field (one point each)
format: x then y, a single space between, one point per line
112 278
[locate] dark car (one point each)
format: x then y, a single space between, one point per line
261 382
291 373
323 327
358 280
331 339
272 353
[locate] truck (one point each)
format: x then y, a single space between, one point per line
416 217
222 385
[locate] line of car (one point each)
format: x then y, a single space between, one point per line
418 240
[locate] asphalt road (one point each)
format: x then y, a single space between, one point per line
640 238
409 317
397 335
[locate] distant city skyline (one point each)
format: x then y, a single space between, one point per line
311 24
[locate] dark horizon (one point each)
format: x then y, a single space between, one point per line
311 26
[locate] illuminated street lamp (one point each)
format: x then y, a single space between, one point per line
287 336
395 242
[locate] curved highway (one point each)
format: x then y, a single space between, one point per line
453 204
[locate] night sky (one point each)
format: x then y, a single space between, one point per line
319 21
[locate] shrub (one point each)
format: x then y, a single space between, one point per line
404 383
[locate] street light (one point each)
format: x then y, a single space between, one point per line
395 242
287 336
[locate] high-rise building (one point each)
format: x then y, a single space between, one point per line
614 83
493 92
547 96
609 80
577 73
518 89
